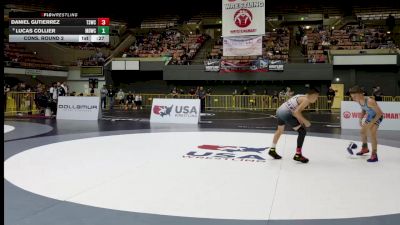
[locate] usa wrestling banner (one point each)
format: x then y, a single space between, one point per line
243 17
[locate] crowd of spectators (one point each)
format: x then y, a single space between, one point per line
97 59
127 100
198 92
317 42
85 46
276 44
175 92
170 43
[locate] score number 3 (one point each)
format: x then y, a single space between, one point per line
103 21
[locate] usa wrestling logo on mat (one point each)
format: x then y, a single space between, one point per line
231 153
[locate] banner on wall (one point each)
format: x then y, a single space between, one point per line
229 66
243 17
351 114
242 46
237 66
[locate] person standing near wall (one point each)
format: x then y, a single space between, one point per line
289 93
54 98
65 87
138 101
201 94
174 93
244 97
330 96
282 96
121 98
6 90
304 45
111 96
129 101
377 93
103 94
60 89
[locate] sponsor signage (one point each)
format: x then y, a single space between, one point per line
78 108
243 17
212 65
175 111
275 65
351 114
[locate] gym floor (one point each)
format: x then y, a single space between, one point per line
124 170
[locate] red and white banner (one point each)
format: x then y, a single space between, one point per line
240 66
351 113
242 46
243 17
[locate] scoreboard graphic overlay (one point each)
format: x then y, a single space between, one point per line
57 27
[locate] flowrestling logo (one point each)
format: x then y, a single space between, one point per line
231 153
175 111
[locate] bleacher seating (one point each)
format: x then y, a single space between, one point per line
276 45
163 21
217 50
352 38
180 47
18 56
85 46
